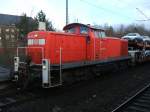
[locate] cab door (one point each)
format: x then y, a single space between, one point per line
97 45
103 48
100 45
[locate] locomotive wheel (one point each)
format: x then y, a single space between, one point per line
23 78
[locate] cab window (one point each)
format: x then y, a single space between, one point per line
83 30
99 34
103 34
71 30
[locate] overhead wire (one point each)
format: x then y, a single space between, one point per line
141 12
106 10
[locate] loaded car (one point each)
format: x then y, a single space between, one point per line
135 40
146 40
133 37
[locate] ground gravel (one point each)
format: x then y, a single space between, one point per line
97 95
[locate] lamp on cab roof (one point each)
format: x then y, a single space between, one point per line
42 26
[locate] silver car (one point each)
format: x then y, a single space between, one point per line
146 40
133 37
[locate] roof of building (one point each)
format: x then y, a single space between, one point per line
6 19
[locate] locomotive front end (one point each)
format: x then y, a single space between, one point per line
28 60
37 62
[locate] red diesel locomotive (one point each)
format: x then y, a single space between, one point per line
55 57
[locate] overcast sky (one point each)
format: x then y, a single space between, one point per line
83 11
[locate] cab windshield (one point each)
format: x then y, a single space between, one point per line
83 30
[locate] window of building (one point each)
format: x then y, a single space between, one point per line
83 30
12 36
7 30
12 30
7 37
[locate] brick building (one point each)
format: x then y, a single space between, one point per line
8 35
8 30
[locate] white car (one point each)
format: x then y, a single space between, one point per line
133 37
146 40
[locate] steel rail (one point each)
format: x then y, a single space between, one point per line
126 103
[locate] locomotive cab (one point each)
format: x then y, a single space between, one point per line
77 28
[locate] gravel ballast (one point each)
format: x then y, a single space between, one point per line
97 95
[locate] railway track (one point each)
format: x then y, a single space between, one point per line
12 99
140 102
10 95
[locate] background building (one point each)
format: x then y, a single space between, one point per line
8 35
8 31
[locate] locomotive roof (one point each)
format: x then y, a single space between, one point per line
80 24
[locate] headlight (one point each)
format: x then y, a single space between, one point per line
44 67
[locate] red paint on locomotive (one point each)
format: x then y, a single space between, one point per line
79 43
